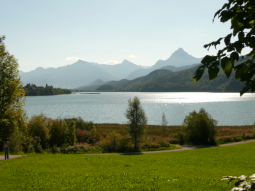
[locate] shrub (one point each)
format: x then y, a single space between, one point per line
55 149
16 140
93 136
149 144
237 139
27 144
173 141
81 124
163 142
199 128
37 145
57 132
82 135
39 126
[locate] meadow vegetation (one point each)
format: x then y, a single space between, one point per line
74 135
197 170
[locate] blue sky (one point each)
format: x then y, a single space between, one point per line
56 33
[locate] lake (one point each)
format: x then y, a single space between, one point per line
110 107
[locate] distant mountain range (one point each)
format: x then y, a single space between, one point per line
163 80
84 74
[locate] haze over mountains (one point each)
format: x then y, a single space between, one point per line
85 74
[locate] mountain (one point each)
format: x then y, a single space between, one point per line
92 86
78 74
163 80
176 69
179 60
82 73
70 76
120 70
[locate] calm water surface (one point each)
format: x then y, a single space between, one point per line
226 108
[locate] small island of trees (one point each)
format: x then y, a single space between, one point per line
33 90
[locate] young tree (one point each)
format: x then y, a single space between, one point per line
199 127
137 120
11 94
241 13
164 124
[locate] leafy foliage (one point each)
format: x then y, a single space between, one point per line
199 128
12 116
39 126
137 120
241 13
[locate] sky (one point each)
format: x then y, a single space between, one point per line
58 33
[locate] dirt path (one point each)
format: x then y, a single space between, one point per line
12 156
183 148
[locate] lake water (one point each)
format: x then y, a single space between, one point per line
110 107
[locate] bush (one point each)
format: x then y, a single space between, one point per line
57 132
81 124
55 149
149 144
16 141
39 126
82 135
199 128
163 142
27 144
237 139
37 145
115 142
93 136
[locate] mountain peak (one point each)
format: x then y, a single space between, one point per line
181 49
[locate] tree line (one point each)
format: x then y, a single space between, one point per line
33 90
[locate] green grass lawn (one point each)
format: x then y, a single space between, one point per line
184 170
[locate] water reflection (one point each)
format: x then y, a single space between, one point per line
227 108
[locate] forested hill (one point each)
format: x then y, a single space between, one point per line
33 90
167 81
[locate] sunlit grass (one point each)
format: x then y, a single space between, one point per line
184 170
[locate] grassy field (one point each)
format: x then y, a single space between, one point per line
183 170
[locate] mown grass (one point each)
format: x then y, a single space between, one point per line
184 170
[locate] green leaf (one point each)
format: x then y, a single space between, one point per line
227 39
225 16
241 69
245 89
239 2
246 77
234 56
213 72
226 66
241 35
206 60
238 46
251 41
218 12
198 74
251 22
